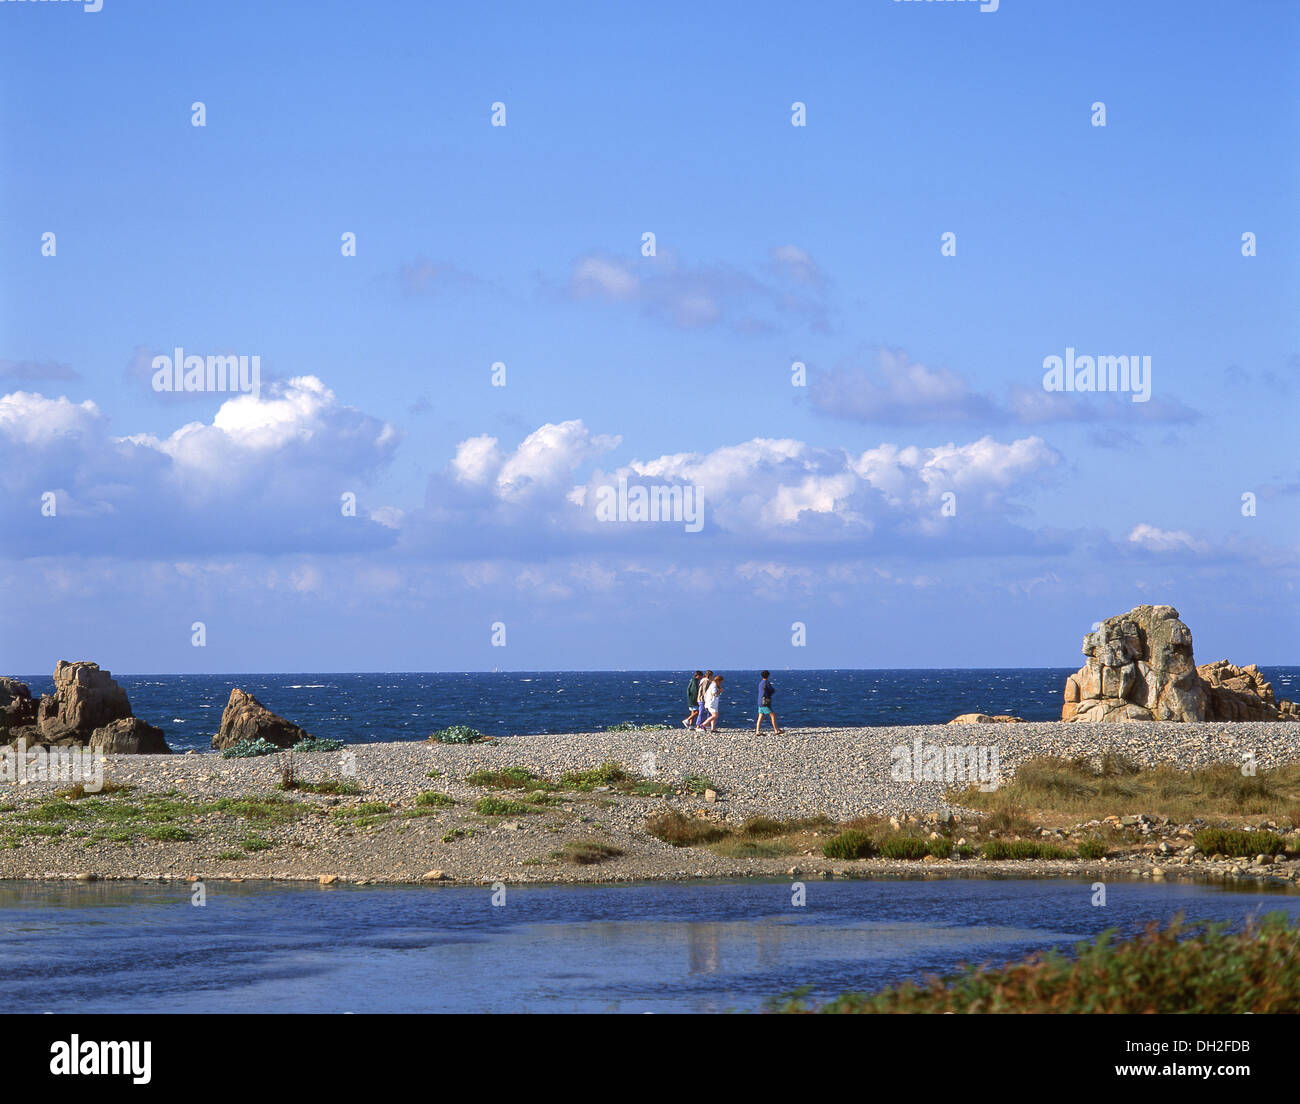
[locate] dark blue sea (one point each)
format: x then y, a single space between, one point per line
370 708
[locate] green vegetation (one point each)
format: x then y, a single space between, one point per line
434 798
1244 845
587 852
510 778
501 806
631 726
457 734
1115 787
340 787
1178 969
1026 849
681 831
457 833
315 743
1092 849
80 793
852 843
248 749
117 818
365 815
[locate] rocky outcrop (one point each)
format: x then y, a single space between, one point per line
1140 667
246 718
129 736
84 699
1235 693
986 718
17 708
87 709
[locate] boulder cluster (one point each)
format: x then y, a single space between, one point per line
87 709
1140 667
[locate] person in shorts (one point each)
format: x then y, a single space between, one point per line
765 692
702 714
712 703
692 700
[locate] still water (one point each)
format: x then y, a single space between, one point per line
649 947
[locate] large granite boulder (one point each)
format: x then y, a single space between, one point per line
1140 667
129 736
87 709
1235 693
987 718
246 718
85 698
17 708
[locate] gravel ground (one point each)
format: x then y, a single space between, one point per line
840 772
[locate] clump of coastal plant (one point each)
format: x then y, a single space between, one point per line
1026 849
1092 849
501 806
315 743
632 726
683 831
1238 845
457 734
587 852
852 843
249 749
1180 968
509 778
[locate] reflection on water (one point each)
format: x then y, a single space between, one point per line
652 947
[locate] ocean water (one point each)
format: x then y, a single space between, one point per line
371 707
664 947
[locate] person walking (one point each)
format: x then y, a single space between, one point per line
693 700
702 714
713 703
765 692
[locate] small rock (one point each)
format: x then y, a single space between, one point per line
710 795
87 876
434 876
328 879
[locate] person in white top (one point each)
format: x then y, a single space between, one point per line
712 703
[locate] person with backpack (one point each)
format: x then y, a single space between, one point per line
692 700
765 692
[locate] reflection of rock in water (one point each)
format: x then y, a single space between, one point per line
769 942
705 948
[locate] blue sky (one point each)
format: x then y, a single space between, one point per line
522 244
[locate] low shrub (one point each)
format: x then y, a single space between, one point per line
849 844
1025 849
904 847
509 778
682 831
434 798
1237 844
1178 969
589 852
1092 849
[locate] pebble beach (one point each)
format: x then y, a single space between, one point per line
840 773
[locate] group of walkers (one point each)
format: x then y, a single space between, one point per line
704 698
